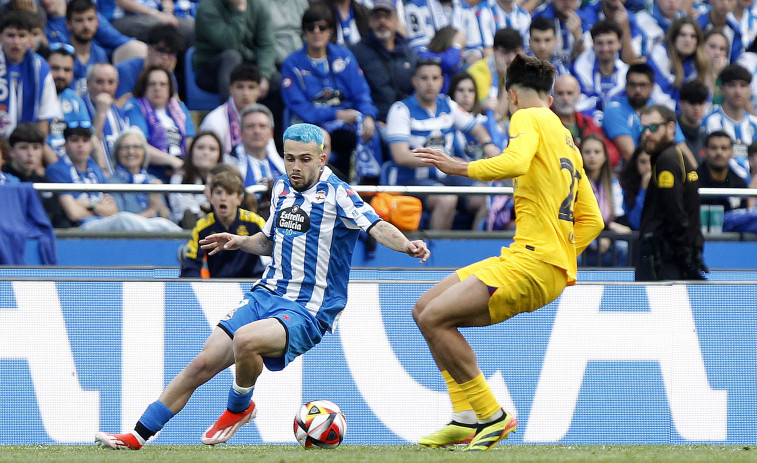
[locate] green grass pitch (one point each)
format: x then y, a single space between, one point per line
379 454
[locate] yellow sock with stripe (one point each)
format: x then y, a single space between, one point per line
459 400
480 397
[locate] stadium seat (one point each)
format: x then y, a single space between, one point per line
197 98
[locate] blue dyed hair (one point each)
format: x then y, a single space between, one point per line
305 133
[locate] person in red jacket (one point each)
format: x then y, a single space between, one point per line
566 94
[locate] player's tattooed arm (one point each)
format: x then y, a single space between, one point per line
390 236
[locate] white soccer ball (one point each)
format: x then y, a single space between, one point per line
321 424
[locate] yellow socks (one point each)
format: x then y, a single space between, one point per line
459 401
479 396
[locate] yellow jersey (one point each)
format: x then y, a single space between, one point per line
556 213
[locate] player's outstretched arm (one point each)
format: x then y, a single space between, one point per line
256 244
390 236
447 164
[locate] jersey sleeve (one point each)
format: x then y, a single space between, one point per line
268 228
353 209
398 123
516 159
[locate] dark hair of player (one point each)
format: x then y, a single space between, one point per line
529 72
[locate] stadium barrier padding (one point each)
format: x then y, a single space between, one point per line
606 363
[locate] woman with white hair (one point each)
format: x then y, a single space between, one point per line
131 160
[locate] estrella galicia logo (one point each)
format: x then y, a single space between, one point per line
293 221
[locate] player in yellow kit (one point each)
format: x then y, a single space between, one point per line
556 216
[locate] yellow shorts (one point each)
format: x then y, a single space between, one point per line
517 283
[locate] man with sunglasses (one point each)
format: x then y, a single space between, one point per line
61 62
670 237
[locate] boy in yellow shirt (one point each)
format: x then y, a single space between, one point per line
556 216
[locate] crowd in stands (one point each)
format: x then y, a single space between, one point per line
95 91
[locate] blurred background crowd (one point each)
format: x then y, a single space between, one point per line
179 91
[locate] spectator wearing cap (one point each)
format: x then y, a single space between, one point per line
163 46
732 116
385 57
61 62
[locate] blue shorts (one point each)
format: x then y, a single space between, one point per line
303 330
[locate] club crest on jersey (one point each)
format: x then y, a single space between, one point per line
293 221
320 196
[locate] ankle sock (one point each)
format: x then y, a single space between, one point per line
239 398
153 419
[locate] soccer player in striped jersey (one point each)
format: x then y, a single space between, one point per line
556 217
310 235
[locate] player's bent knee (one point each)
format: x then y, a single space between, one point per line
201 368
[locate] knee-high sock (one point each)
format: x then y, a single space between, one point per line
480 397
459 400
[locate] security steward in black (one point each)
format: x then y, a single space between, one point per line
670 236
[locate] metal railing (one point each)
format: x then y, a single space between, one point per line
629 238
410 190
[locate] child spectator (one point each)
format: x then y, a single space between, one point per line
91 211
226 195
24 161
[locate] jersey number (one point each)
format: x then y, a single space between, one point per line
566 208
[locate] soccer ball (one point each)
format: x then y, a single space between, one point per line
320 423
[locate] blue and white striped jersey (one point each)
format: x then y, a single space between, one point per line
492 17
425 17
743 133
411 123
314 234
